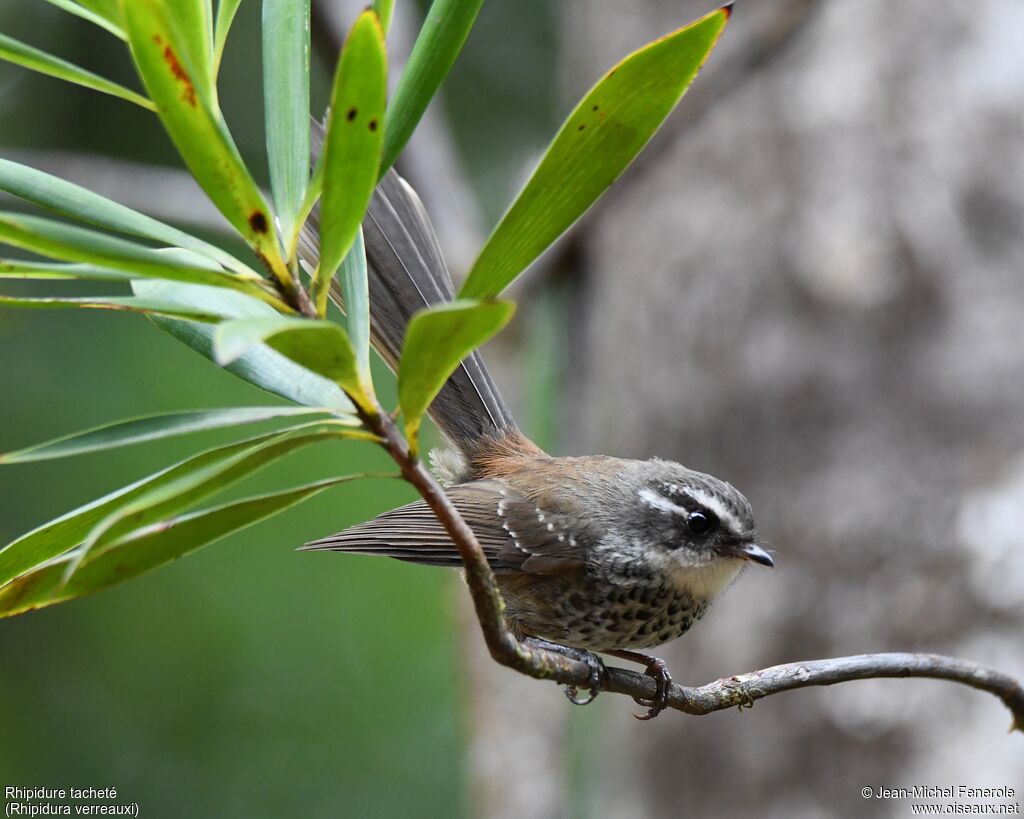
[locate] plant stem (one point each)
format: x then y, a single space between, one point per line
490 607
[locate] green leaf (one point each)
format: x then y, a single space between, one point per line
53 270
437 340
352 146
355 291
150 428
128 304
444 31
27 56
86 14
109 10
286 104
74 244
313 191
148 549
197 128
596 144
72 200
262 366
321 347
192 21
68 531
190 489
385 9
225 16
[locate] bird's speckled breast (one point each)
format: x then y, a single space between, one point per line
576 609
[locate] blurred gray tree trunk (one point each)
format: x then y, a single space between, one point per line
811 285
815 289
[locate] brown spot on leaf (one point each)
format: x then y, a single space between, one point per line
581 127
594 108
258 221
373 125
188 92
351 115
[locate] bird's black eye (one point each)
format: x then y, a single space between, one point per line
700 523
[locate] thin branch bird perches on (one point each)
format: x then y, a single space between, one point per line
741 690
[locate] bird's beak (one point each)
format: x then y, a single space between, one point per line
748 551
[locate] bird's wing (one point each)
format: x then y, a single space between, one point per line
515 534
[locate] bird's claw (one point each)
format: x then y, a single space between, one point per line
572 694
597 675
594 681
658 670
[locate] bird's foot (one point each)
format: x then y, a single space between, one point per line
592 661
656 669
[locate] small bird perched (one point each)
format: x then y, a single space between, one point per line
590 553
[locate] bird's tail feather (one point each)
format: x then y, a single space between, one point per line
407 273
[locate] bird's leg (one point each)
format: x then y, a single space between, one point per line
593 662
658 670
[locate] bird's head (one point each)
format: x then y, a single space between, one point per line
696 520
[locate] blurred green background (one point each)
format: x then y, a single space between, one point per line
247 680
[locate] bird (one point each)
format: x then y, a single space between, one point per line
591 554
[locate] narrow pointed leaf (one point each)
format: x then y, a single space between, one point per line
27 56
74 244
10 269
356 295
72 200
313 191
436 341
148 549
262 366
188 490
128 304
352 145
440 40
286 104
598 141
68 531
226 10
197 128
151 428
87 14
321 347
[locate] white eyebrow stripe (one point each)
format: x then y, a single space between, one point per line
657 501
713 504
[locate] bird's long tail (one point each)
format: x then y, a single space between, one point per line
407 273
